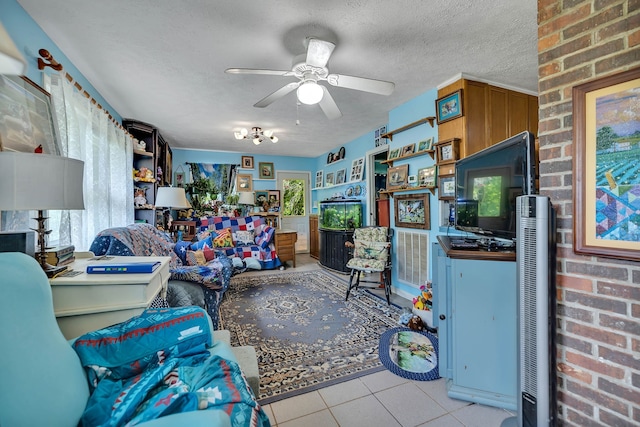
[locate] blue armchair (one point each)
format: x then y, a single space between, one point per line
45 382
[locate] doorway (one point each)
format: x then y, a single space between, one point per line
295 205
376 180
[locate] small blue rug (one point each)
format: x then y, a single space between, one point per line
410 354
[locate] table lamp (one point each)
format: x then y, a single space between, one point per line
171 198
40 182
246 199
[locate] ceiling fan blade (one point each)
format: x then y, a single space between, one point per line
329 106
267 100
360 83
319 52
257 71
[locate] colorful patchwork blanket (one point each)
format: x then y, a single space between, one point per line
265 254
157 364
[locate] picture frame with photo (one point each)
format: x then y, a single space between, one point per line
244 182
412 211
393 154
274 200
449 107
341 176
408 150
319 179
247 162
425 145
427 177
329 179
357 169
261 198
28 124
266 170
397 177
447 187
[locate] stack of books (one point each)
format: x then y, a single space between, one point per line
61 255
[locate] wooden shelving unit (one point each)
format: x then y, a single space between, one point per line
408 156
409 189
424 120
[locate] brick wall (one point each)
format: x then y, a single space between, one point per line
598 341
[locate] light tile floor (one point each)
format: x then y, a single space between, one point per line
381 399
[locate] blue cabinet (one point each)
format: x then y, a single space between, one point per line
477 324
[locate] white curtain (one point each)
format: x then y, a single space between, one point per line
87 133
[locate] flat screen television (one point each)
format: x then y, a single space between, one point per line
488 182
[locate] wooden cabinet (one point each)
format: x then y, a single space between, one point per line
286 245
314 237
272 219
184 229
155 157
491 114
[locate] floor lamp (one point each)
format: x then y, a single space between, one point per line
40 182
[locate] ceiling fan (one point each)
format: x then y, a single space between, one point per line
310 68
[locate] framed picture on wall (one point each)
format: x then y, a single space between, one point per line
427 177
397 177
447 187
413 211
244 182
262 198
341 176
449 107
606 125
319 179
26 123
247 162
328 179
357 168
266 170
274 200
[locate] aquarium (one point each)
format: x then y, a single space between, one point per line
340 214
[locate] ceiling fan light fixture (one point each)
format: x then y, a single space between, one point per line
256 136
268 133
274 139
310 93
256 140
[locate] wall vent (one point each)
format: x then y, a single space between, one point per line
412 255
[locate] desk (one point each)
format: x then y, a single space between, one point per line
286 245
87 302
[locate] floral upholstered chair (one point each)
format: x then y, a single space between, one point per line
371 253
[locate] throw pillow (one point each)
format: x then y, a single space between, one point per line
202 243
264 238
243 237
195 258
209 254
224 239
181 249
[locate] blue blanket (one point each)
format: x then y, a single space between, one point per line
157 364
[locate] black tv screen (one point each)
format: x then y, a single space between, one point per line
488 182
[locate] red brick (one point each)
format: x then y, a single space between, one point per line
595 333
634 39
578 283
549 41
560 22
549 69
593 365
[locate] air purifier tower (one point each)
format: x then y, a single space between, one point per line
536 276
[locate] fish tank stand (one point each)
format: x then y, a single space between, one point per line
337 221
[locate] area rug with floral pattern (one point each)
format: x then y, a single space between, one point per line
305 334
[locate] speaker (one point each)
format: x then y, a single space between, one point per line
18 241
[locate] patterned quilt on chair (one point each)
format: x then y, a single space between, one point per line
145 240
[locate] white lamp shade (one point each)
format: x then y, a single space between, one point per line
310 93
40 181
246 198
11 61
172 197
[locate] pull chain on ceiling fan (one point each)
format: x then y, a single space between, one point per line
310 68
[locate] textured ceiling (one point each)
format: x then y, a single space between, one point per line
163 61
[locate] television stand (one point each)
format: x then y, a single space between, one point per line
483 252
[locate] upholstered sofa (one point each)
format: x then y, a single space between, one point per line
163 368
248 238
188 284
